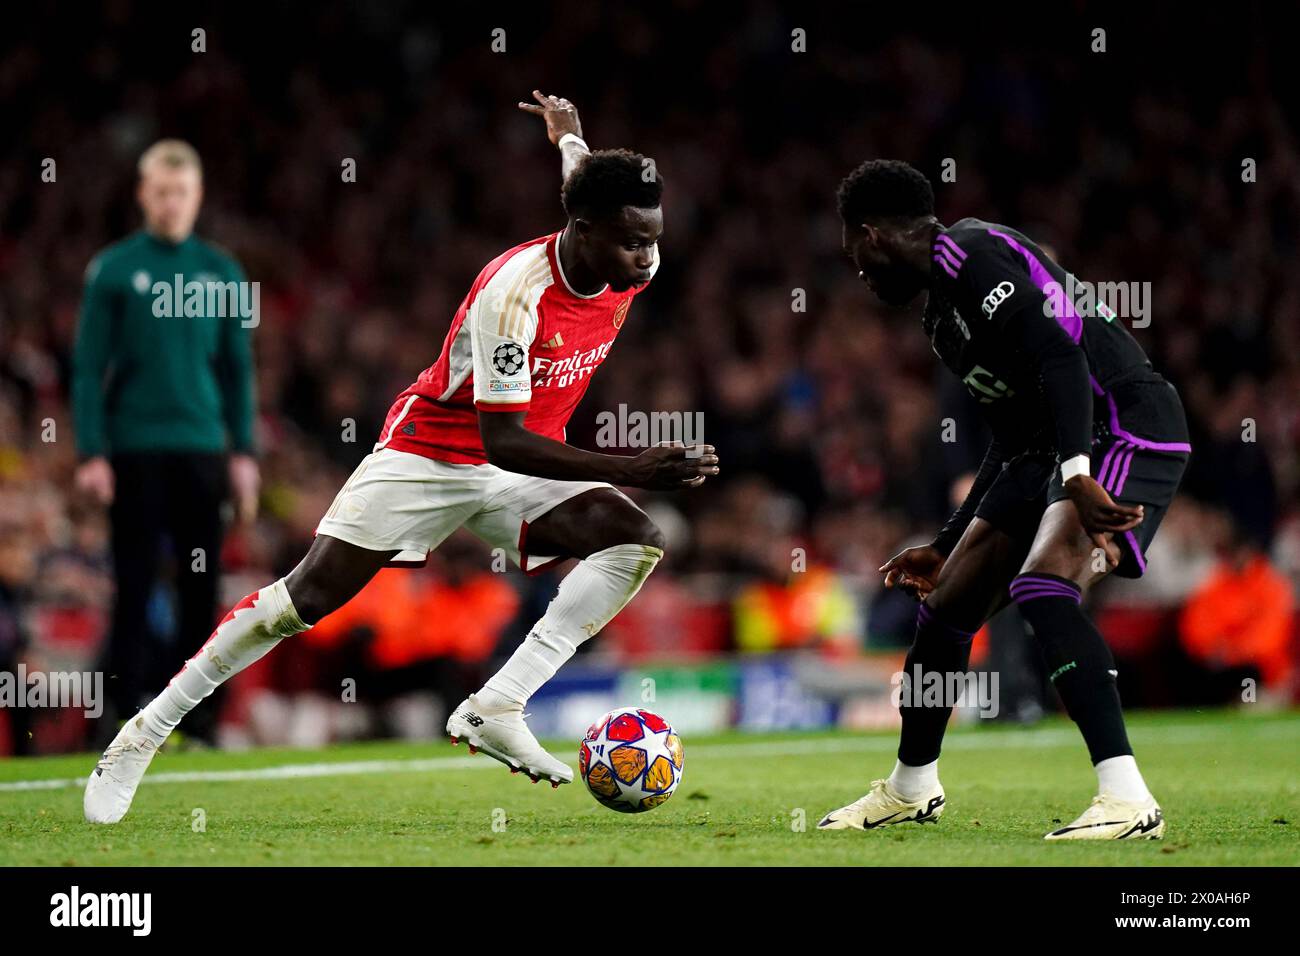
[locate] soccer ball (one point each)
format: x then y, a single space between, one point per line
631 760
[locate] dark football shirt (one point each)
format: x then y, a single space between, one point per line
1052 369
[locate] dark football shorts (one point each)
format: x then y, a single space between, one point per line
1134 470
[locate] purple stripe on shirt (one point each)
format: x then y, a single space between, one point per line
1118 431
953 260
1062 307
957 250
946 268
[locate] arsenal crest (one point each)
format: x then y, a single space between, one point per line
620 313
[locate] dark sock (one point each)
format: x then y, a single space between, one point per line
937 647
1079 663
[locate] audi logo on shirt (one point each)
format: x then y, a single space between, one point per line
1001 292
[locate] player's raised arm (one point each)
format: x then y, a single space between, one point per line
563 128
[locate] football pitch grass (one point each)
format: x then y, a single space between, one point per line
1228 783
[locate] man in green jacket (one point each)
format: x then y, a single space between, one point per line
162 395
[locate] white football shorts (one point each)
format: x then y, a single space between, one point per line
396 501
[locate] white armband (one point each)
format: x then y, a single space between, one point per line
1078 465
572 138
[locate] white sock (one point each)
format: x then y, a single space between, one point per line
588 598
254 626
914 783
1120 776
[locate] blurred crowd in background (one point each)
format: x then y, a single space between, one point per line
1128 164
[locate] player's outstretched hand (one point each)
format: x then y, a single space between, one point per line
671 466
914 571
561 116
1100 514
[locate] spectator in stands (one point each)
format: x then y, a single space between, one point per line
1238 626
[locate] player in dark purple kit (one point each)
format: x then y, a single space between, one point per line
1089 445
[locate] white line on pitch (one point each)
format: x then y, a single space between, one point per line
1040 737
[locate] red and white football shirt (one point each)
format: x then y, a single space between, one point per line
522 341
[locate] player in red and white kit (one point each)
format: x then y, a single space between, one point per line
478 442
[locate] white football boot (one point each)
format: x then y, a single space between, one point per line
111 785
1110 818
882 806
504 736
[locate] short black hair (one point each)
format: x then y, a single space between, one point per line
884 188
608 180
